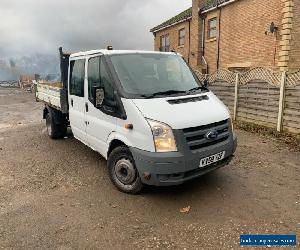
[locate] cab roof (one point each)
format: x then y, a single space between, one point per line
117 52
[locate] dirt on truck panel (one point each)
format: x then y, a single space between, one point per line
57 194
52 84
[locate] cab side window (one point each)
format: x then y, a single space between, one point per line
106 83
93 76
98 77
77 71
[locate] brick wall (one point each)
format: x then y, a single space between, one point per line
174 39
294 62
195 51
210 45
192 49
242 38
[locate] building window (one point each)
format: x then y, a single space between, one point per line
212 28
181 37
165 43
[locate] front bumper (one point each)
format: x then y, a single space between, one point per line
167 169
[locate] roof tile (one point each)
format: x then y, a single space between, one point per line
180 17
207 4
211 3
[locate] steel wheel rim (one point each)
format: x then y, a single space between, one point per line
125 171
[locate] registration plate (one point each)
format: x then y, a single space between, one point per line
212 159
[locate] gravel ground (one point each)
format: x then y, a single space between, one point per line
57 194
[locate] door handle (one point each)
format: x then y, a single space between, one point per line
86 107
72 102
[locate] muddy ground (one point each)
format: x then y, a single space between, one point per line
57 194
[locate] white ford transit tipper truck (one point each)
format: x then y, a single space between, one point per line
145 112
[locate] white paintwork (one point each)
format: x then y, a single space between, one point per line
141 136
99 124
184 115
48 94
77 118
115 52
97 130
77 114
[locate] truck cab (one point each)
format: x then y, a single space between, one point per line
146 113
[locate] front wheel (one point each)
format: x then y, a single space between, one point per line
123 172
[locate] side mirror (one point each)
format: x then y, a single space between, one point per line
98 96
205 83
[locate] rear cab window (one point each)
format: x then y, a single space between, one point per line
77 72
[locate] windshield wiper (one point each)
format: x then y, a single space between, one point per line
168 92
197 88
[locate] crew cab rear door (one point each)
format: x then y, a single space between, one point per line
77 111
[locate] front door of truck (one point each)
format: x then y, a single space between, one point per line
100 121
76 99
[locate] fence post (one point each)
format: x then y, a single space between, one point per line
281 101
237 80
206 77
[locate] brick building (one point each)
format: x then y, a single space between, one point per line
234 34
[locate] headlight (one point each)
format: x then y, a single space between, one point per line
163 137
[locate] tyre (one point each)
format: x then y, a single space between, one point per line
123 172
62 130
55 131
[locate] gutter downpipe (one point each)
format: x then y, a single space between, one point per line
203 44
189 41
219 34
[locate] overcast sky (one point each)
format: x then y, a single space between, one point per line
30 26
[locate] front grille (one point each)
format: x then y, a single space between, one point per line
196 136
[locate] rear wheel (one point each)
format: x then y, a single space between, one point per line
123 172
55 131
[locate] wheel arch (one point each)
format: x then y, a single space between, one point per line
57 116
116 140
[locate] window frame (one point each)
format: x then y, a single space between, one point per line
129 95
102 62
165 38
181 38
211 28
88 82
82 94
119 111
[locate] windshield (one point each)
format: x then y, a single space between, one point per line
146 75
